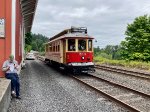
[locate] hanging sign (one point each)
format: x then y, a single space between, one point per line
2 27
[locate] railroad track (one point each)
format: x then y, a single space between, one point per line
142 75
131 99
42 58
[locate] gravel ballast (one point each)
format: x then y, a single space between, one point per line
44 89
126 80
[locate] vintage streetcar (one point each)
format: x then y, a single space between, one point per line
72 50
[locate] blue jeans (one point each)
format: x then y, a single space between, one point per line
15 84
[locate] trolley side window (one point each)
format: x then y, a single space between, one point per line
46 47
82 45
58 48
50 47
71 45
53 47
90 45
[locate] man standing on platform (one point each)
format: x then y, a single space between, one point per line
10 67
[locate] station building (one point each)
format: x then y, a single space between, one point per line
16 19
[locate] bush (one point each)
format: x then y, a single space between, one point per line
42 53
104 55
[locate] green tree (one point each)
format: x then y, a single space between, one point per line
113 50
38 42
96 51
35 42
28 48
28 41
109 52
28 38
137 43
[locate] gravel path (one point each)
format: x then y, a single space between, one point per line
129 81
44 89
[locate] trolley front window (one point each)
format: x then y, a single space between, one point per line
90 45
71 45
82 45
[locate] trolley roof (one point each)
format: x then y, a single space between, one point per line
72 32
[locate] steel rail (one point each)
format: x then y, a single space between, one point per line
111 97
119 85
145 76
123 104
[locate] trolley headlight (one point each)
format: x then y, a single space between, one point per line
82 58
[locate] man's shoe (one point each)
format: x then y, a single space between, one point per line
18 97
13 94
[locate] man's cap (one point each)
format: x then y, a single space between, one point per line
11 56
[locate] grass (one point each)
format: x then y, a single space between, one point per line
123 63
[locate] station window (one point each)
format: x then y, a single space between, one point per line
71 45
82 45
90 45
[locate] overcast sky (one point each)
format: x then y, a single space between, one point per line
106 20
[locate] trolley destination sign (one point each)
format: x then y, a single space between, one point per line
2 27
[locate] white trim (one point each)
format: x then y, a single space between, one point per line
13 27
23 41
82 64
20 41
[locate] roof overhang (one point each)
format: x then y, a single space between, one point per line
28 11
